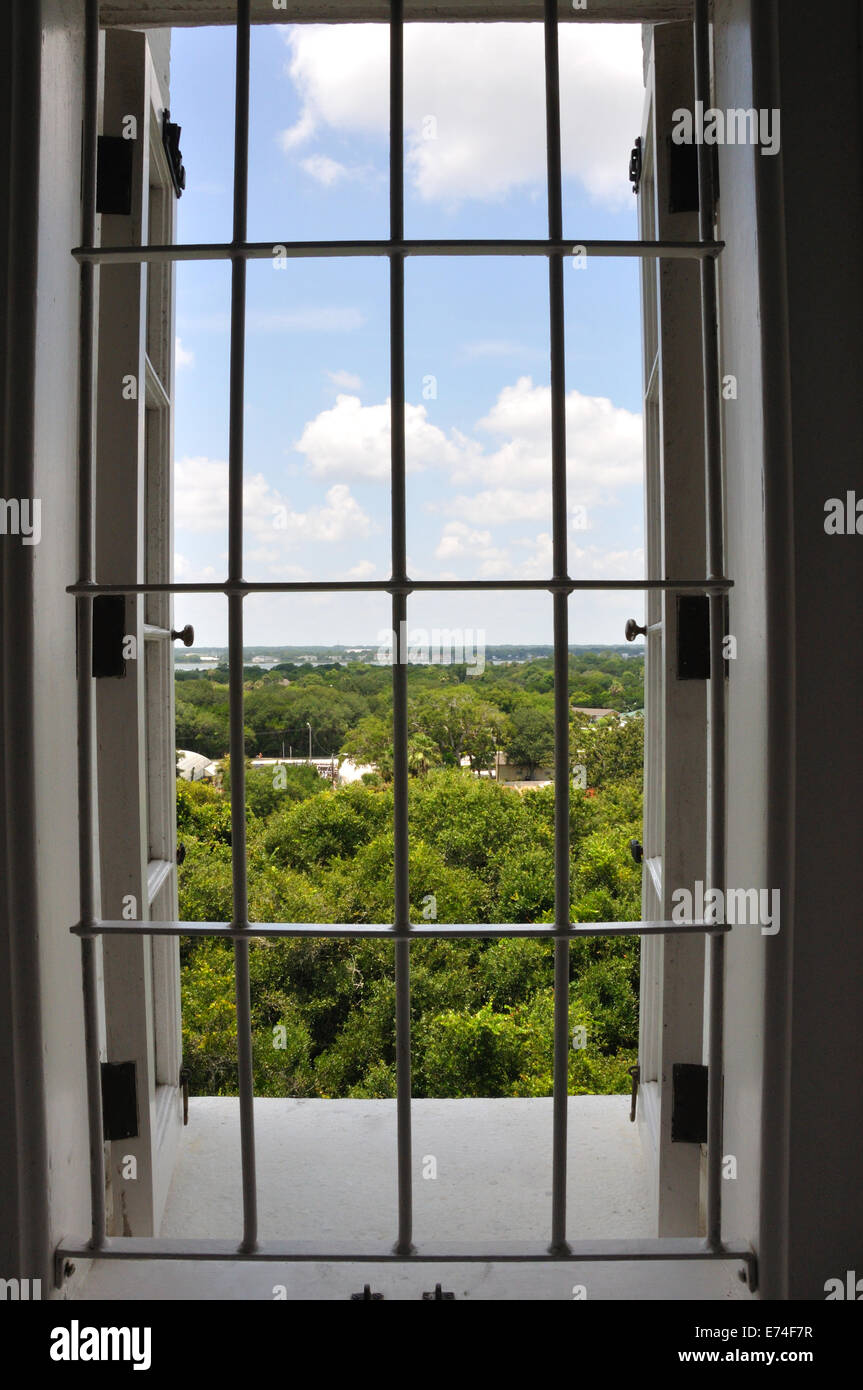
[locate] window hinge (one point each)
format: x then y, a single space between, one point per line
109 631
635 1073
366 1296
114 175
688 1103
635 165
171 140
438 1294
693 637
119 1100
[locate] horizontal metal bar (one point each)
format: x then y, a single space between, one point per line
155 634
687 1248
306 250
408 586
386 930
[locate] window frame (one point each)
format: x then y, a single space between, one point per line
92 927
136 762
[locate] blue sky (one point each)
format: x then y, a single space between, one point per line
477 374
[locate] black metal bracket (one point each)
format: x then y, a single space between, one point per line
635 165
688 1103
171 140
693 636
438 1294
114 175
119 1100
366 1296
109 629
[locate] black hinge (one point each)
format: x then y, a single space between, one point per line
438 1296
171 140
114 175
682 177
119 1100
109 630
688 1103
693 637
635 165
366 1296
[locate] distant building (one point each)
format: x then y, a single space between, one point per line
194 767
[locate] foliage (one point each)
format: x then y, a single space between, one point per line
323 1010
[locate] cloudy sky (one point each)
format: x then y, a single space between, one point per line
477 372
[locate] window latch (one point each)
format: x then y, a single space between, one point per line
635 1073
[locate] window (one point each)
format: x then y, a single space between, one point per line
135 718
125 550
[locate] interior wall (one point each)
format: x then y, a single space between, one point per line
823 230
54 655
43 1137
793 999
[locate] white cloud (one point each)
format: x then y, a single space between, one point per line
483 86
459 539
182 356
511 481
324 170
201 506
366 569
352 440
603 441
346 380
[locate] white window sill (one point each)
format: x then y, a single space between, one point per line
326 1171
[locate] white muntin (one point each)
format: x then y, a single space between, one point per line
736 126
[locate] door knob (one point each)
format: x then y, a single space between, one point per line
186 635
632 630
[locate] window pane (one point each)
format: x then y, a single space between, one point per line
478 418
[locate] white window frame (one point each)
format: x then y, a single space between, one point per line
672 1005
135 714
671 969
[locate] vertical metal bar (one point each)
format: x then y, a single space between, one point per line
401 918
715 570
561 636
245 1076
87 771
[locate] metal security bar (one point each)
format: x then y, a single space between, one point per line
560 585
